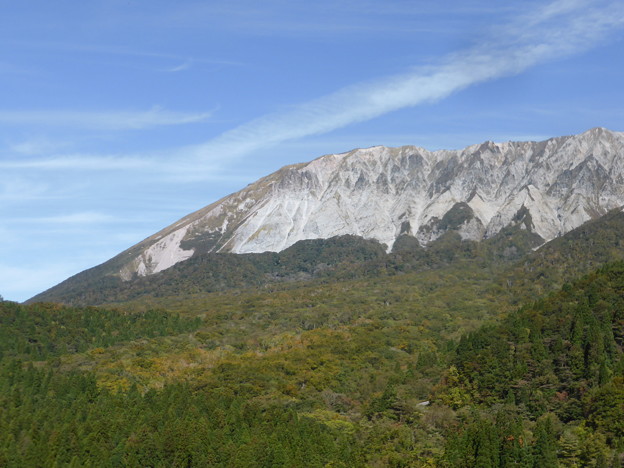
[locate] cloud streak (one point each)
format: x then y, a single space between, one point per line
323 18
120 51
554 31
119 120
18 189
79 162
557 30
183 66
80 218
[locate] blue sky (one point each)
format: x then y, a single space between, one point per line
119 117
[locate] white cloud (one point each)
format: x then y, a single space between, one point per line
12 189
322 18
115 120
122 51
178 68
554 31
81 218
79 162
559 29
37 146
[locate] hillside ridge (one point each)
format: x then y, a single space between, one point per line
380 193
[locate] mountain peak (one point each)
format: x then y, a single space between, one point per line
382 192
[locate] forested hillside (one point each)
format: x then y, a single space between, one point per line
547 384
431 368
324 260
509 253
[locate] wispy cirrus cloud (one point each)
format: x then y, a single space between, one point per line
554 31
178 68
36 146
176 165
20 189
79 162
323 18
102 120
80 218
557 30
103 49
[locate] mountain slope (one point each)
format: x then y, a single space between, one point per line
353 361
509 256
334 259
545 386
382 193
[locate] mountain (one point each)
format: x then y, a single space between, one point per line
547 188
415 356
407 370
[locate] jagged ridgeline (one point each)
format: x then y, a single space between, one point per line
380 195
359 310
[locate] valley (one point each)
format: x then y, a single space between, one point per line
490 352
367 370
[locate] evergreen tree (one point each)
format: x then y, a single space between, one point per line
545 450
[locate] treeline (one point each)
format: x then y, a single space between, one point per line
337 259
509 253
568 257
43 330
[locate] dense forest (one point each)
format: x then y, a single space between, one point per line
550 375
471 355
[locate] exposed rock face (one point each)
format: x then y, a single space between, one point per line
549 187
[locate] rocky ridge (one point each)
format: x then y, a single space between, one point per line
548 187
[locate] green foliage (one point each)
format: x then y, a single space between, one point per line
57 419
605 407
354 356
209 272
324 260
327 358
568 257
558 362
545 449
549 354
44 330
489 440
